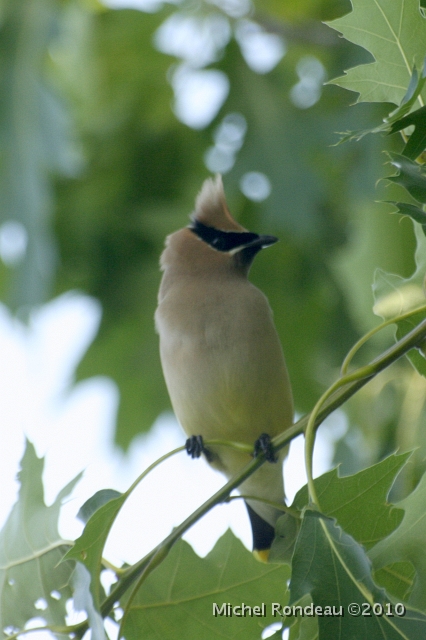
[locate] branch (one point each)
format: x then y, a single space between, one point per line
351 384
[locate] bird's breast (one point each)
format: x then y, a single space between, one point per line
223 364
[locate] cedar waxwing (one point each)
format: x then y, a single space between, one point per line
220 352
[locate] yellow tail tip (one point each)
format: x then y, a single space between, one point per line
262 555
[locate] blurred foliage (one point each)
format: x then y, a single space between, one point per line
98 169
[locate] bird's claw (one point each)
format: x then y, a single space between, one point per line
264 445
195 447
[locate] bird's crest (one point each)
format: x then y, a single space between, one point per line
211 208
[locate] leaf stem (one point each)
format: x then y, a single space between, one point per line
372 332
354 381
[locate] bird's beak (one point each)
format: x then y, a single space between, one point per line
262 242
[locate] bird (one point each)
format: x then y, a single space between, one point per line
220 352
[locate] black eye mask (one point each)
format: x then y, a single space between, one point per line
229 241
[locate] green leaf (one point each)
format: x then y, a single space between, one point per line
397 578
391 123
334 549
408 542
359 502
417 141
411 176
33 580
304 627
95 502
88 548
177 599
410 210
335 570
414 90
286 531
394 32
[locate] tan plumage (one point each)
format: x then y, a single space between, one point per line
220 352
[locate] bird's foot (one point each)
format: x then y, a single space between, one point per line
195 447
264 445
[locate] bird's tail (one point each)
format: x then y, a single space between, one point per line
263 534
